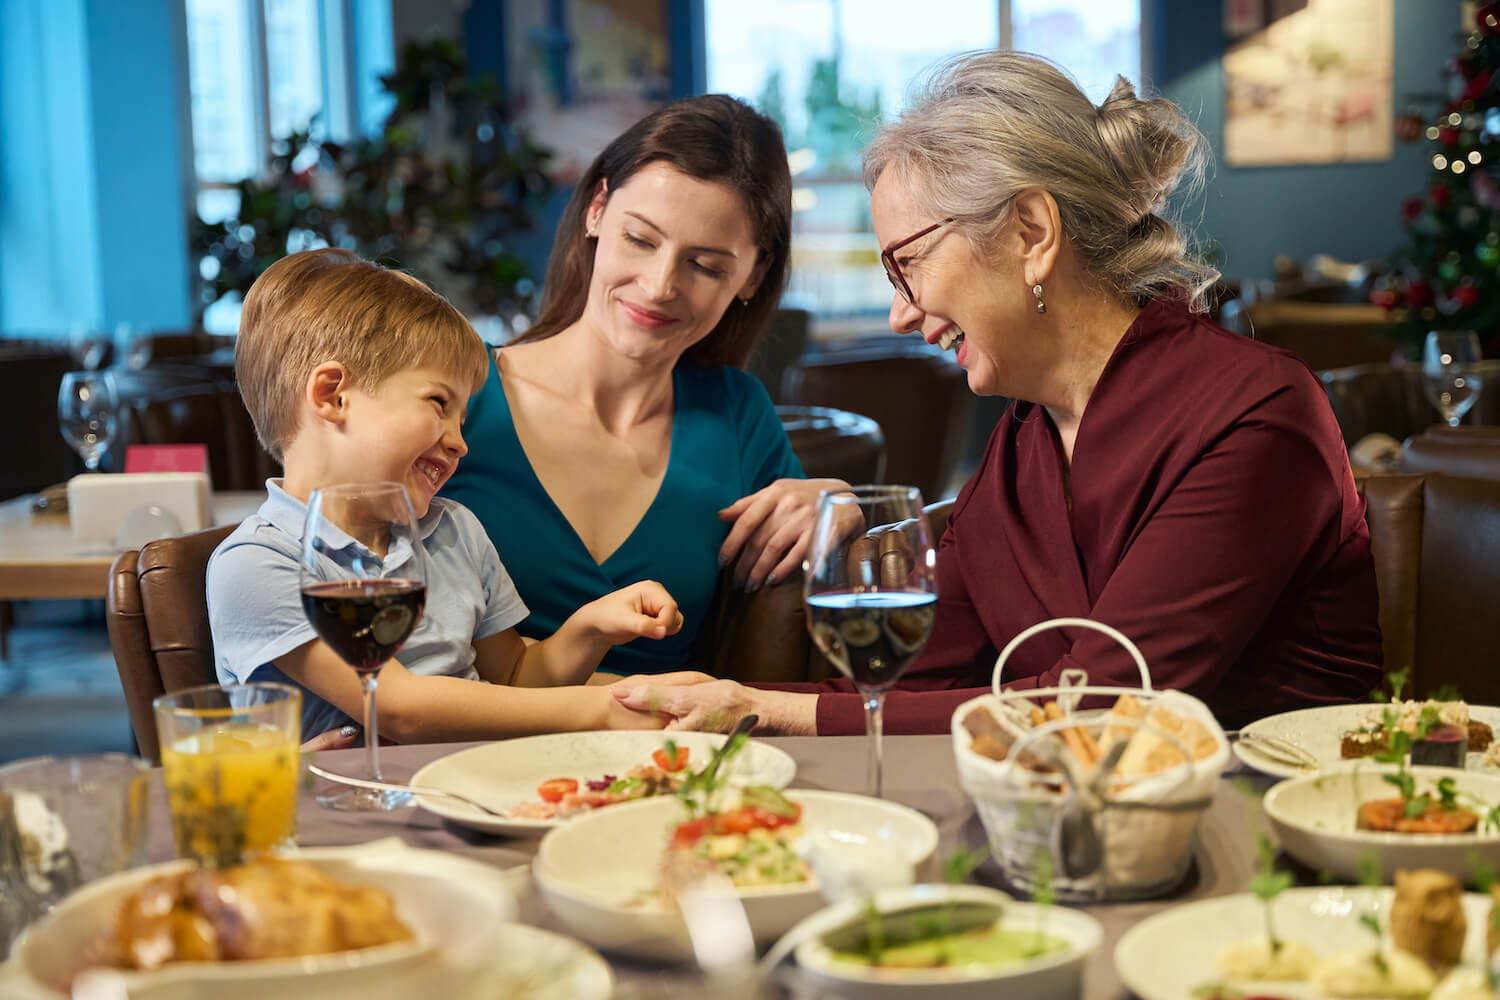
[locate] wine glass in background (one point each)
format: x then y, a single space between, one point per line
132 347
871 591
88 414
1449 373
87 348
364 585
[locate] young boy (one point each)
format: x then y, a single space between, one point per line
355 373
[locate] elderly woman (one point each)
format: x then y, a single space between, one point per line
618 440
1157 473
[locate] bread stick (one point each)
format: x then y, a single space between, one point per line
1071 737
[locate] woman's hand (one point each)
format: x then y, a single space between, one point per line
716 706
334 739
772 528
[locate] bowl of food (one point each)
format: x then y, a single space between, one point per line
1090 792
949 941
609 875
1401 817
355 922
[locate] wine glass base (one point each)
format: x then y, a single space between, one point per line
365 800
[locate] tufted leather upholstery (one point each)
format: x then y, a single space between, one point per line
1436 543
157 614
921 401
835 443
1471 452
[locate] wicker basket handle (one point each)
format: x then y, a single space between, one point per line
1113 633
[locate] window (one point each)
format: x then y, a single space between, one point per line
828 70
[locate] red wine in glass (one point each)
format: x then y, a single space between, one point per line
365 621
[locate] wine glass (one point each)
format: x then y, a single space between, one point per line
364 585
870 584
1448 371
88 413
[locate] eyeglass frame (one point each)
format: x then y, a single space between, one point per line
893 270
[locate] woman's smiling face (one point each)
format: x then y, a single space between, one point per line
959 301
673 253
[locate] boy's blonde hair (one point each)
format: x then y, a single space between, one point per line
329 305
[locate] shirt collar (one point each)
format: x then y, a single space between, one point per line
287 514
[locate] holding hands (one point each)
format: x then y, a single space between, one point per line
771 530
716 705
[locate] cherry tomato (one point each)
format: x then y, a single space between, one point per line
738 821
691 832
554 790
667 763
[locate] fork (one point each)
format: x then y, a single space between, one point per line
386 786
1281 751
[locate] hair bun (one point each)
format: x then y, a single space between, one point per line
1150 141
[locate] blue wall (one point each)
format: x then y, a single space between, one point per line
1351 210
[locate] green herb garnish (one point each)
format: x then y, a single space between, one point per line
1268 883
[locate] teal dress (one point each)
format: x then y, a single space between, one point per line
727 441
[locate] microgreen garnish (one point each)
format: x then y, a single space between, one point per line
962 862
1268 883
699 788
1371 876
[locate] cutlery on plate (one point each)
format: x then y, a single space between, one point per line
388 786
1279 750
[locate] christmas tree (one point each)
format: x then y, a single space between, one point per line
1448 277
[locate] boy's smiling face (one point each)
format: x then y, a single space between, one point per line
408 430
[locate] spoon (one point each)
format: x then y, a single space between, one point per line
1076 842
388 786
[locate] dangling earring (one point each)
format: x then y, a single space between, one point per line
1041 304
591 232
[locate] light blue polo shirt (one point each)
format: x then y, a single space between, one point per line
255 596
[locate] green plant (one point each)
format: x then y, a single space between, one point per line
439 193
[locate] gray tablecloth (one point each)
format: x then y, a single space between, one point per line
920 772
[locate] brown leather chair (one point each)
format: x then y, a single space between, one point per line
1436 543
1473 456
157 613
835 443
763 636
921 401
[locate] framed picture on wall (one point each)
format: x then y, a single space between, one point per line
582 71
1312 85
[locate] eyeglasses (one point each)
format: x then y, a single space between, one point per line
893 270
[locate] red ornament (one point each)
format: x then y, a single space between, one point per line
1411 208
1466 296
1478 85
1448 136
1440 195
1418 294
1385 298
1409 127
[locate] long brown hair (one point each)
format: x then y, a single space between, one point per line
712 138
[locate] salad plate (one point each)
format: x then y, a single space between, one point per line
602 872
1174 953
1315 821
509 774
1320 732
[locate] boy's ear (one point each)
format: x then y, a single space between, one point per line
326 387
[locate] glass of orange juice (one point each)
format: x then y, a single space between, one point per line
230 759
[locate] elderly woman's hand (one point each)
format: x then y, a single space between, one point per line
772 528
716 706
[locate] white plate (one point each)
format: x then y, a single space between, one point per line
1052 977
598 872
1167 956
1314 820
505 774
538 965
453 905
1320 731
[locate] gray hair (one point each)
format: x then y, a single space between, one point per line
988 124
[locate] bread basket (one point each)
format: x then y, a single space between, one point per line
1121 827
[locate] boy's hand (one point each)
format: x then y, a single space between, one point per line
642 609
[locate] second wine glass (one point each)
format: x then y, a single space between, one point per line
1449 360
364 585
88 414
871 592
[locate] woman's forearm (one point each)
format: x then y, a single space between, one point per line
422 709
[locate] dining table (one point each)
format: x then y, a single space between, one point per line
920 772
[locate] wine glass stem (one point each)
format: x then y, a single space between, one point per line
874 735
372 736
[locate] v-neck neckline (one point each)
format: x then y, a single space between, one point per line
536 480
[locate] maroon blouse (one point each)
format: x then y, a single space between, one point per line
1214 521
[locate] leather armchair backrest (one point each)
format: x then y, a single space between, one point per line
1459 590
1393 512
1474 456
835 444
157 613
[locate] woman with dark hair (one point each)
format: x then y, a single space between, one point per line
617 439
